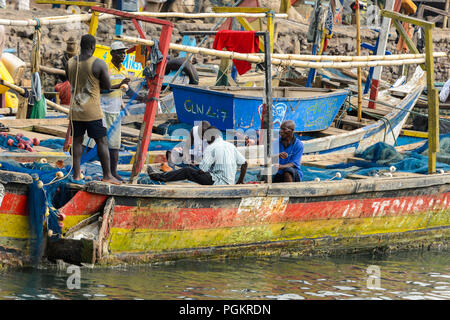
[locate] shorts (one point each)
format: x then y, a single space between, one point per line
95 129
292 171
115 135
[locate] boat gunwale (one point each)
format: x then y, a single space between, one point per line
297 189
321 92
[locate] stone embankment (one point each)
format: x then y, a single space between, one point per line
291 39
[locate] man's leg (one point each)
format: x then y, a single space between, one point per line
97 131
114 140
291 175
103 155
188 173
114 160
77 150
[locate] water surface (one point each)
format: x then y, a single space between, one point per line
405 275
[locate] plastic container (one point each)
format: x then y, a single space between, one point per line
4 75
13 64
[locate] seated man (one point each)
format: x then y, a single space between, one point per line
218 167
193 148
291 151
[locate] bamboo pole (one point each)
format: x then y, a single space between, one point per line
358 53
21 91
87 17
207 15
259 59
303 57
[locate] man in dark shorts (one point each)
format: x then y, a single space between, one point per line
87 76
291 151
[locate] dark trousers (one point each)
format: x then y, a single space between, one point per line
188 173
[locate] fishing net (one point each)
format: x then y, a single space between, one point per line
46 194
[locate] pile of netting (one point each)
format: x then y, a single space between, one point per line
46 194
382 159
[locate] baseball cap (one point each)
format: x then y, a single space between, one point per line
117 45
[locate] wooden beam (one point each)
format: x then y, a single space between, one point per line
433 102
71 3
405 18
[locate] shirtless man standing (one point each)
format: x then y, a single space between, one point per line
87 76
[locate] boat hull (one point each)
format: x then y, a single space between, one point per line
310 109
157 223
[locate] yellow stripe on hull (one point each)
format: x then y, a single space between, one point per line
14 226
141 240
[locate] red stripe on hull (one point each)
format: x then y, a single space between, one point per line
173 218
14 204
84 203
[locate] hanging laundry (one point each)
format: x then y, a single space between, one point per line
38 99
237 41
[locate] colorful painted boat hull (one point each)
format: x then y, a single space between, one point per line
15 233
155 223
241 109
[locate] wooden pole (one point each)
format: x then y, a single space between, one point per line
382 44
358 53
447 9
267 119
433 103
259 59
21 91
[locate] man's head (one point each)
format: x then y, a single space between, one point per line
287 130
202 127
87 44
72 47
211 134
118 52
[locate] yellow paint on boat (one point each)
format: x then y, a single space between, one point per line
139 240
14 226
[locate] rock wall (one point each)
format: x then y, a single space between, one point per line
54 37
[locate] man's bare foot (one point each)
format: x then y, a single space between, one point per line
115 175
112 180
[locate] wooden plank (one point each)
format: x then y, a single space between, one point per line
353 121
104 232
412 133
24 123
94 218
332 131
58 131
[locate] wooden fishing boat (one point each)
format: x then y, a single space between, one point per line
241 108
108 224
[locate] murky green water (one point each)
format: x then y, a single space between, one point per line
412 275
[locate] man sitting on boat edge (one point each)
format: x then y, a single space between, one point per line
291 151
218 167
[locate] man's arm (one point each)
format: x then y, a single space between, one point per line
242 174
100 71
187 147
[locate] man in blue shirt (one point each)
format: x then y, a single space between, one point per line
291 151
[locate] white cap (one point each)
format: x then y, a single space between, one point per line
117 45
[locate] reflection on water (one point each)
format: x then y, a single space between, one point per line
412 275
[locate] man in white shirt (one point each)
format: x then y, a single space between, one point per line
218 167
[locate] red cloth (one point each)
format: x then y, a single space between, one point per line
237 41
64 92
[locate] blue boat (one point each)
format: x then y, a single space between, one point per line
236 108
